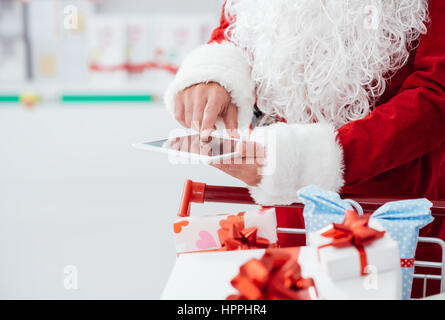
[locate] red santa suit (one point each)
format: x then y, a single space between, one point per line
362 89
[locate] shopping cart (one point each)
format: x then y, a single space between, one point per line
432 271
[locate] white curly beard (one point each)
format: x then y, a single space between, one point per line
324 60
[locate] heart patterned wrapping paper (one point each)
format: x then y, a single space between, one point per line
245 230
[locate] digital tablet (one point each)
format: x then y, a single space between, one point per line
191 147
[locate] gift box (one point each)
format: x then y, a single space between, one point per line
107 49
210 276
401 220
245 230
342 255
163 43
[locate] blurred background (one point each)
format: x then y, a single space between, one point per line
80 81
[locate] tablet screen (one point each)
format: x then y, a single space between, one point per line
192 144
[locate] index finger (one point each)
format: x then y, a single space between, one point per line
211 113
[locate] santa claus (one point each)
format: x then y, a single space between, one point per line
352 90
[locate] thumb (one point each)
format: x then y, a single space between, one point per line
247 149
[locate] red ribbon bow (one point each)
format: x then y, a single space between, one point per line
234 236
276 276
354 231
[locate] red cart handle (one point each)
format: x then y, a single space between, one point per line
200 192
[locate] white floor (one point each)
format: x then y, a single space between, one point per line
73 192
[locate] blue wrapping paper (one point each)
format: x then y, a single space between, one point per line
401 219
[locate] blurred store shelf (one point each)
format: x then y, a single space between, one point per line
37 94
96 48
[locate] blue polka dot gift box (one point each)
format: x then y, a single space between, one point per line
401 220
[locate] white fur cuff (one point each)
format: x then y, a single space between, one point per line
223 63
297 155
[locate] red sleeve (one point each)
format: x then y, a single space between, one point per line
409 125
219 35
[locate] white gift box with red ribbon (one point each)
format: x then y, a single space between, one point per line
342 263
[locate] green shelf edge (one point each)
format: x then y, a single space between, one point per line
87 98
12 98
106 98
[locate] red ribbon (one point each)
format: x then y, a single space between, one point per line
136 68
354 231
407 263
234 236
276 276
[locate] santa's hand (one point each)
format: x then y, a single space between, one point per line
247 167
199 106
